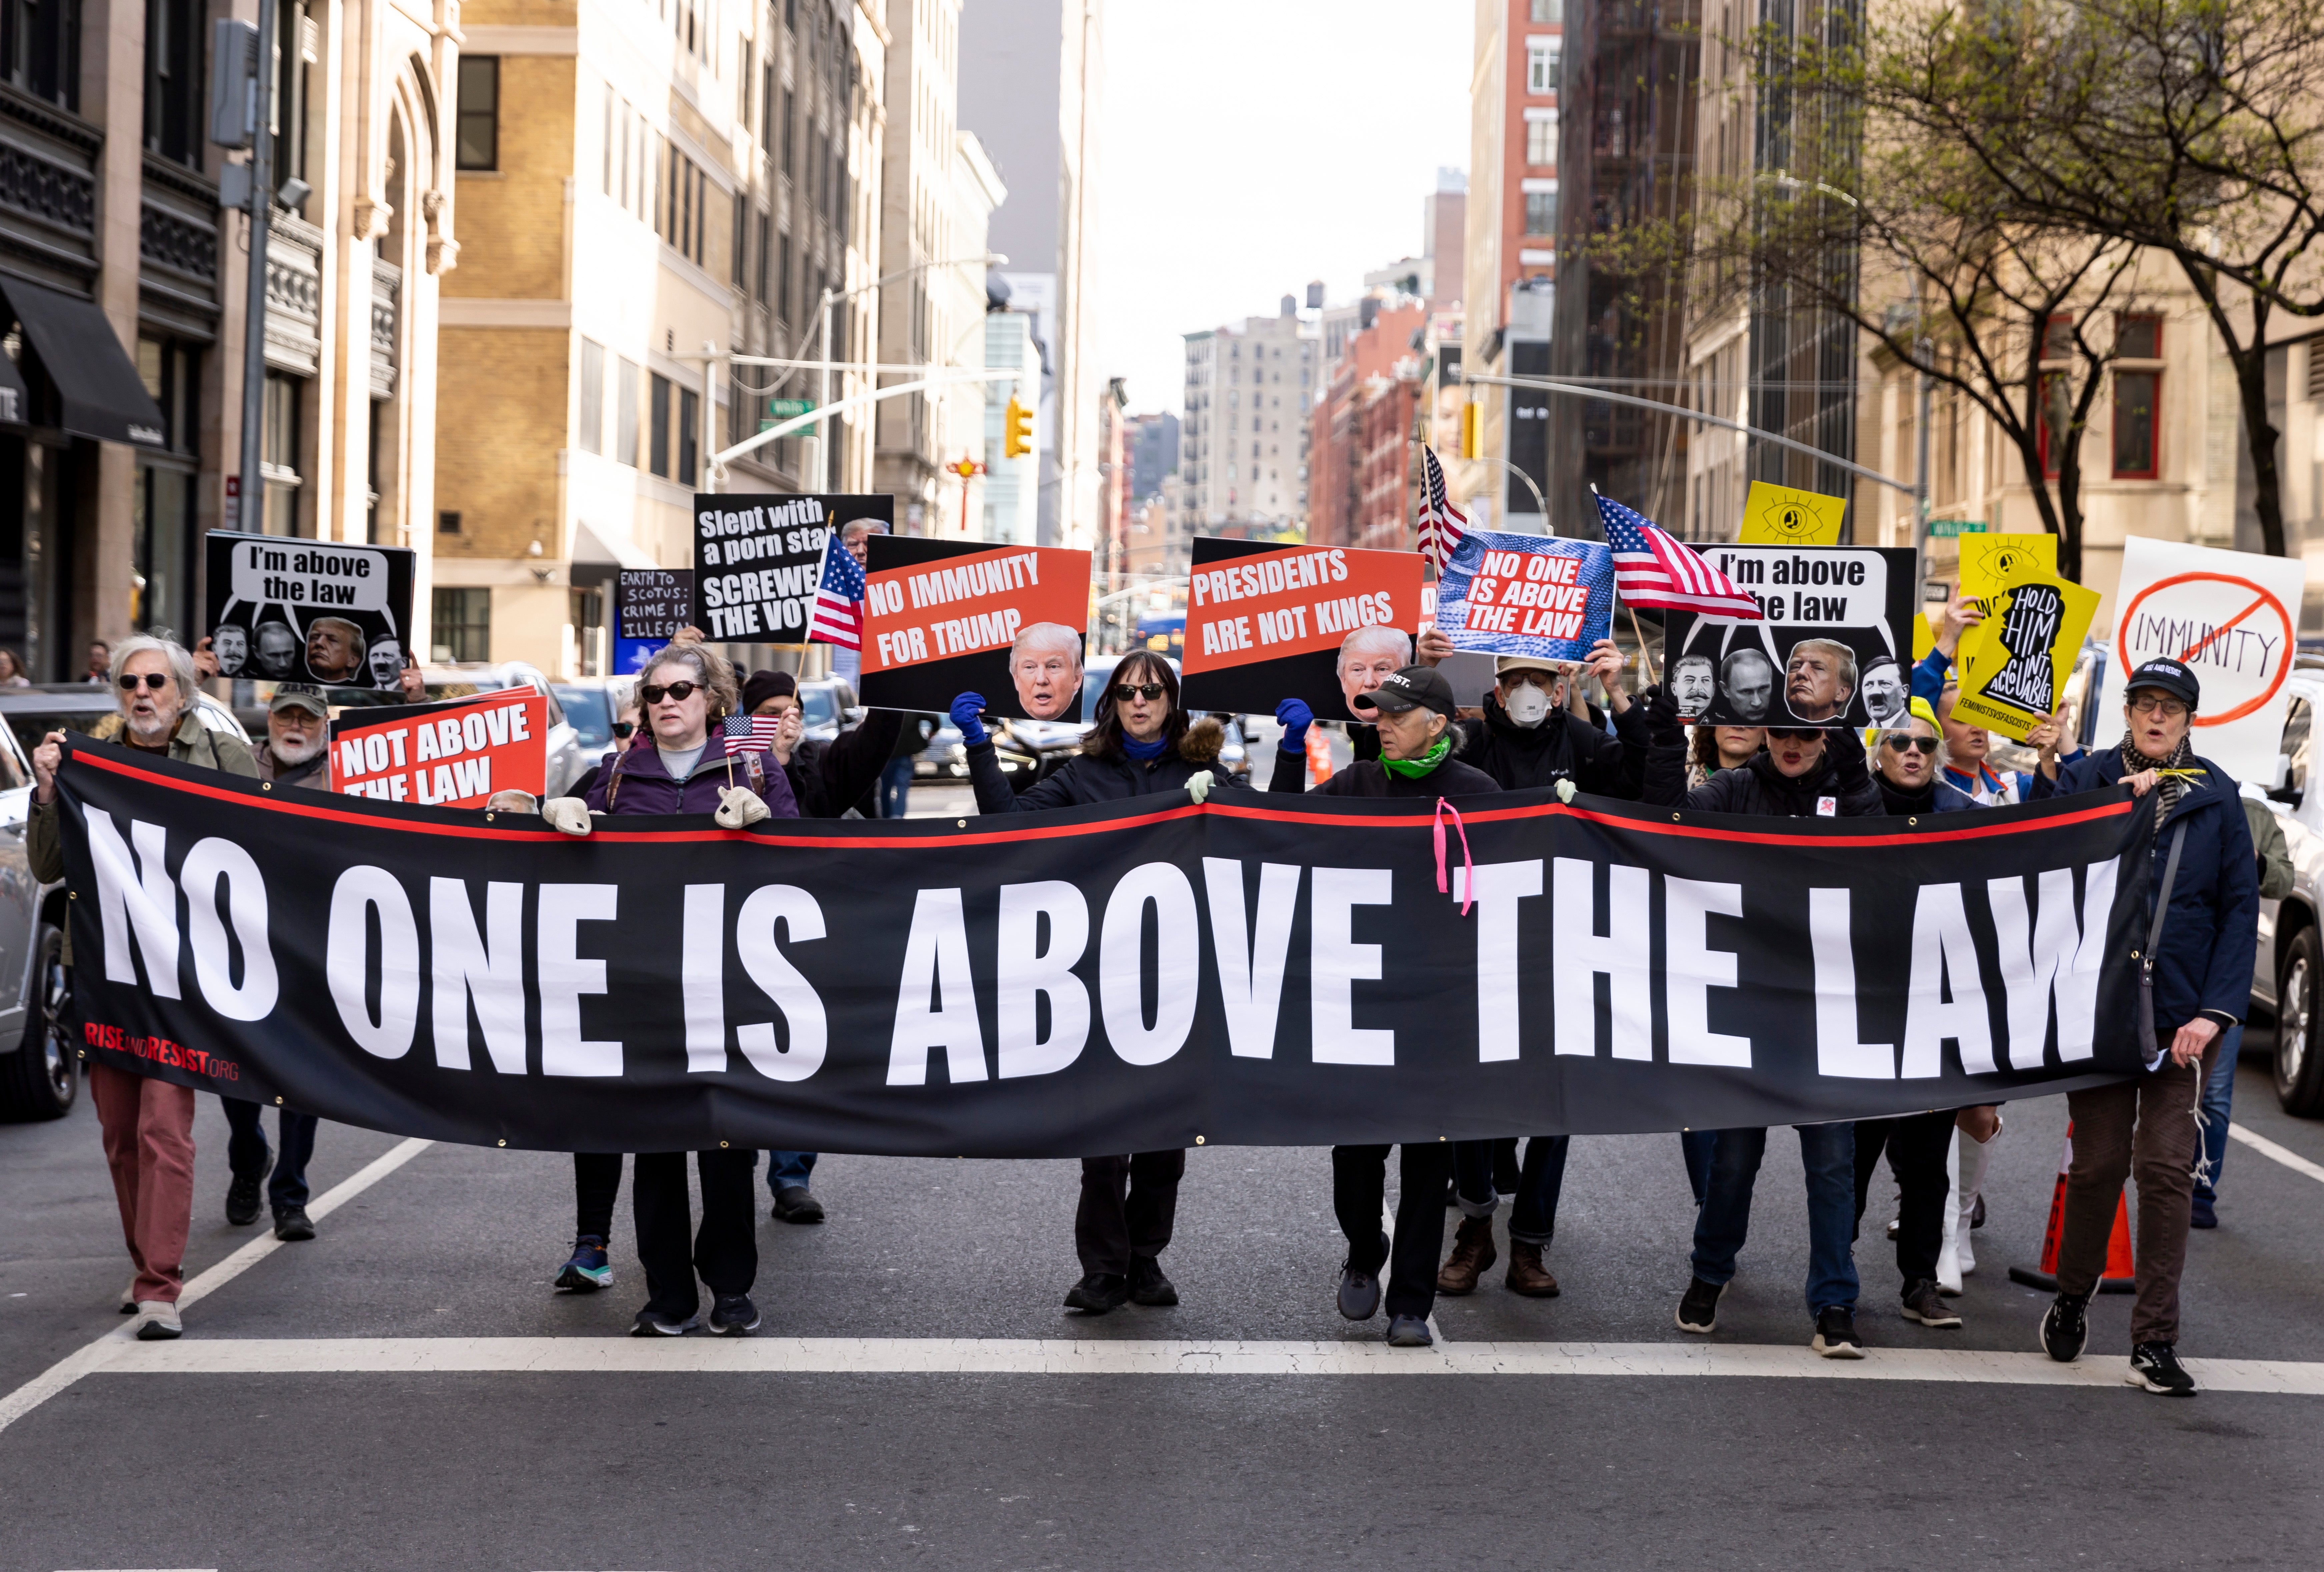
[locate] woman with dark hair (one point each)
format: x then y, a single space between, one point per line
1142 743
1713 748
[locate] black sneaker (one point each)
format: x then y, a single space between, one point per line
2155 1367
292 1225
1835 1334
1699 1310
797 1204
2065 1328
1359 1291
1408 1332
242 1198
1148 1286
1098 1293
2203 1212
733 1315
1925 1303
649 1325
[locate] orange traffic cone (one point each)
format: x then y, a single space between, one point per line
2120 1275
1319 756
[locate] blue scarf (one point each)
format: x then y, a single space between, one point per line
1144 752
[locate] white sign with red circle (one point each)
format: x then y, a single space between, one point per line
2234 618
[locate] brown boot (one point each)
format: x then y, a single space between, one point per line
1528 1276
1472 1252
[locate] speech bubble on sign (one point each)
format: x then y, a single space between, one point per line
310 575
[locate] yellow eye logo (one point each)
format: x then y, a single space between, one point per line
1789 521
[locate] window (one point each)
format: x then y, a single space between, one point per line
593 397
448 524
766 246
461 624
767 106
2058 337
689 428
278 442
1549 10
790 141
658 419
783 284
174 80
1541 212
477 144
1541 65
625 414
2138 337
39 49
2136 395
1541 141
2297 723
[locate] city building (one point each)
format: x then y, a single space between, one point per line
1112 556
1010 486
1362 433
123 287
1248 393
1031 80
938 190
653 191
1153 453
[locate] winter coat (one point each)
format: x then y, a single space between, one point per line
315 774
1936 797
827 779
637 781
2276 877
1086 778
2204 965
1757 787
1371 778
1562 747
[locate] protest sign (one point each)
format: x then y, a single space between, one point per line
450 755
947 617
2233 616
757 559
1832 650
1526 595
1269 623
1781 515
650 606
896 987
2032 630
286 610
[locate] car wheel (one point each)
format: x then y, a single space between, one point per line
2299 1057
43 1076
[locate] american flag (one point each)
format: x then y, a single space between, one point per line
838 617
1441 524
751 734
1651 569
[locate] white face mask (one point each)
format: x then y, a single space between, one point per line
1529 705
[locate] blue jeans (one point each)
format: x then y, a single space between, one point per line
1828 1151
245 1151
786 1169
1696 1146
1533 1218
2218 1107
895 785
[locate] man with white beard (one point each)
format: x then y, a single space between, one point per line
298 724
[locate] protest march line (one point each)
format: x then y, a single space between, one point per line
100 1354
1065 1357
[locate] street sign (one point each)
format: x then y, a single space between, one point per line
1949 529
790 409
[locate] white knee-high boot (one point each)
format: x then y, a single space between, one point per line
1973 1156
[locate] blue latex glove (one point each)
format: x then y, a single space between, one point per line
1295 717
966 710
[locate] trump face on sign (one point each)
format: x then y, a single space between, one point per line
1367 656
1045 665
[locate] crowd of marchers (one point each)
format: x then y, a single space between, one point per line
1542 724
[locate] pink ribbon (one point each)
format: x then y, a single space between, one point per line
1468 868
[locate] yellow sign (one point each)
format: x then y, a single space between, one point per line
1777 516
2034 630
1924 638
1990 564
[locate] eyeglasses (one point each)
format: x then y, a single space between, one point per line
623 728
156 680
2158 704
1149 691
1805 733
680 691
1915 744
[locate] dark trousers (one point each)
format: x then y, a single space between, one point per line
1698 1147
1128 1204
725 1250
245 1151
1828 1152
1916 1145
2143 1127
596 1183
1359 1189
1476 1178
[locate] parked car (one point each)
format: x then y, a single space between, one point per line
590 707
38 1064
567 759
2288 972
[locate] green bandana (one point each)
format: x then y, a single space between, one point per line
1414 769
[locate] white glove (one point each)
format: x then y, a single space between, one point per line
569 814
739 806
1565 790
1199 784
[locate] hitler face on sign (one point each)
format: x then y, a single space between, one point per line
1886 699
386 661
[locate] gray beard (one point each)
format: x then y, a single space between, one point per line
296 754
158 734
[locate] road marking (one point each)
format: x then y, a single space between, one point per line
2285 1155
1126 1356
81 1361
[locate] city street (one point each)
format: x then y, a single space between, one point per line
407 1391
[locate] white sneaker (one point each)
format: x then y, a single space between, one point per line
129 1298
157 1320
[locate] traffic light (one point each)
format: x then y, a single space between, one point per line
1016 429
1472 431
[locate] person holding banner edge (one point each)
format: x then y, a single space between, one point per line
2196 969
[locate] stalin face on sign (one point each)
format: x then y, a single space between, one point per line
1045 665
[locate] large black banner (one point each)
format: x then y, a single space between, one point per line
1138 976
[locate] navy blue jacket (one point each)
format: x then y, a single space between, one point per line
2204 963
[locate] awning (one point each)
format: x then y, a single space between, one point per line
98 392
610 547
15 404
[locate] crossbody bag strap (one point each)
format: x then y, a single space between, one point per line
2162 896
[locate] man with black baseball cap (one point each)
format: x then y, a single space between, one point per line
1413 709
2203 873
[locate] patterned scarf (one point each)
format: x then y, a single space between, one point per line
2168 787
1414 769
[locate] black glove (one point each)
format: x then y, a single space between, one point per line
1661 711
1844 746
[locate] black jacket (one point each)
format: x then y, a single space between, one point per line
1371 778
1937 797
1086 778
830 778
1758 787
1562 747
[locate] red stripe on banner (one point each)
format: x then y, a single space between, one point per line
289 804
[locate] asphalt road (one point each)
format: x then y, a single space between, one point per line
369 1461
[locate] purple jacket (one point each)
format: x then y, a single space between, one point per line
635 781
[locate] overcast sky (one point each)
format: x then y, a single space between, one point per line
1252 145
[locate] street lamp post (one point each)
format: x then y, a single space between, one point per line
831 297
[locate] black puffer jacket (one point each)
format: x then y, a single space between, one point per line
1758 787
1562 747
1371 778
1088 779
830 778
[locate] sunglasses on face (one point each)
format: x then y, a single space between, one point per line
1779 734
680 691
156 680
623 728
1917 744
1149 691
